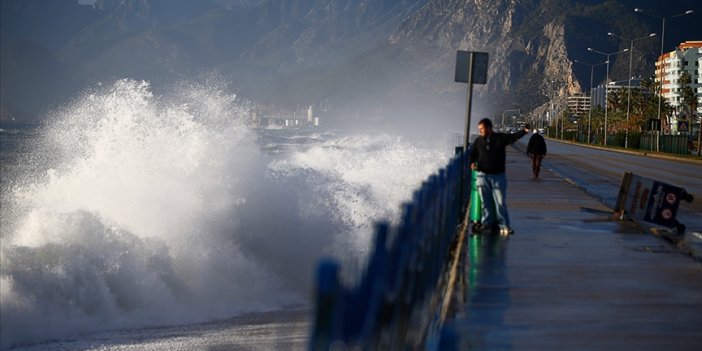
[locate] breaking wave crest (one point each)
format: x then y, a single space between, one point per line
132 221
150 210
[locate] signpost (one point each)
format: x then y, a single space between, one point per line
683 126
471 68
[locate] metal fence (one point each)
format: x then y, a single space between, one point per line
674 144
398 301
667 143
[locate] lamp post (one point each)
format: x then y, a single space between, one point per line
628 99
519 111
606 85
589 115
660 85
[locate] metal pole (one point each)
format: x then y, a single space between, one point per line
559 118
606 86
660 87
563 115
606 102
589 115
469 101
660 90
466 173
628 99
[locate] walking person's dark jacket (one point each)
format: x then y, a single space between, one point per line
537 145
489 155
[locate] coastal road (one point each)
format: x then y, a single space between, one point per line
600 172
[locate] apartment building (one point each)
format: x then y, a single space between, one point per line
579 104
687 57
599 93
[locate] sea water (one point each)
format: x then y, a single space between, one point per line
136 220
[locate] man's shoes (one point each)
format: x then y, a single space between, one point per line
506 231
477 228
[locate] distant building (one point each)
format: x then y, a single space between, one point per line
687 57
598 92
579 104
283 120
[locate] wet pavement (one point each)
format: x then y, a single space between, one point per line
574 278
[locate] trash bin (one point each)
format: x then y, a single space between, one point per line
475 205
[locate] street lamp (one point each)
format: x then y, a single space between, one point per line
660 85
628 99
589 115
519 111
606 85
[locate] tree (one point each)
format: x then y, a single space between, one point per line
689 100
616 112
645 105
665 109
597 123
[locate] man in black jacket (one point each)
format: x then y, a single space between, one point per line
487 157
536 149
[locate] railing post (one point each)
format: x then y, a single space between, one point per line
392 303
327 328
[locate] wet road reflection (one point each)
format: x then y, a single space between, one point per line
488 293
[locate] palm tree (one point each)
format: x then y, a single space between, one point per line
689 100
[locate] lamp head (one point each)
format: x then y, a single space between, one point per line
610 34
689 12
638 10
652 35
589 49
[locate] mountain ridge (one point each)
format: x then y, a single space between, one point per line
360 55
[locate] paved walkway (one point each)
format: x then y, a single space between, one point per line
572 278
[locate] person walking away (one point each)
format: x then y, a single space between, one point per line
487 158
536 149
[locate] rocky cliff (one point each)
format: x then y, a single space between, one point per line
358 55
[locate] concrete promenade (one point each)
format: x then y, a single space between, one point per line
573 278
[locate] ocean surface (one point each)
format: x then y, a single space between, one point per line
139 221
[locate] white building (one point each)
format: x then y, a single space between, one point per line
687 57
598 93
579 104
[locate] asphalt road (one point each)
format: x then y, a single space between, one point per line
600 172
573 276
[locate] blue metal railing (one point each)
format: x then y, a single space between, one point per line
396 303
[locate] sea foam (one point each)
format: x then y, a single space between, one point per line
144 209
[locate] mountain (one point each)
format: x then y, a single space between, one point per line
532 44
33 80
380 59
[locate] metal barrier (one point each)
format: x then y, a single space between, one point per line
673 144
398 301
